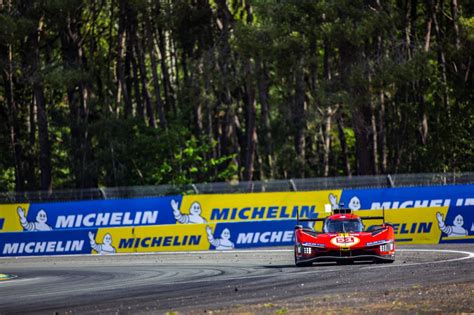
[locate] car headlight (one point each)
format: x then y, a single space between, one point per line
386 247
307 250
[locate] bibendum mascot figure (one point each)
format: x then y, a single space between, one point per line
333 201
456 229
354 203
39 225
105 248
194 215
223 243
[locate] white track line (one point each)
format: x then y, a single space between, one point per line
469 255
235 251
313 271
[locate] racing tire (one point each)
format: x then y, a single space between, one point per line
390 260
303 264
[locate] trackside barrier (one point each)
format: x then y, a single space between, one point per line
420 215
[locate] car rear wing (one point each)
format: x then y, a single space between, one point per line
338 211
376 218
310 220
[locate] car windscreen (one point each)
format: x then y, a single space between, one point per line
343 226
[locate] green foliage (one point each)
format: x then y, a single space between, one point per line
150 157
219 66
467 26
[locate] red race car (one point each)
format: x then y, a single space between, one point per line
344 240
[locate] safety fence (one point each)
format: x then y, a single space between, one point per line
420 215
232 187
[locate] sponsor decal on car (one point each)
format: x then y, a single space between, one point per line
376 243
345 240
313 244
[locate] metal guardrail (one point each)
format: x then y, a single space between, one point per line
303 184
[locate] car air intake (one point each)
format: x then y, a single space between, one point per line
342 211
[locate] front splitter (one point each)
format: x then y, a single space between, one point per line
387 258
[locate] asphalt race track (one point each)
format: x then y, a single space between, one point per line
423 279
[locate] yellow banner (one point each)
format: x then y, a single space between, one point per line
13 218
253 207
151 238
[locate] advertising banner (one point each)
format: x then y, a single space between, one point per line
87 214
410 227
457 225
257 206
420 215
161 210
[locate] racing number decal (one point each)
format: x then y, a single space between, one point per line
345 241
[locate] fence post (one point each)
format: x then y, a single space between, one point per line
292 185
390 182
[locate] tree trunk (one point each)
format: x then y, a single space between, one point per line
167 87
13 121
78 99
251 128
433 8
43 137
383 134
429 22
135 81
263 92
408 23
154 72
30 157
121 80
454 13
40 104
373 128
128 106
299 121
327 140
146 95
363 152
344 149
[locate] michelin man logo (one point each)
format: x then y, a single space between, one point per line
105 248
39 225
456 229
354 203
194 215
333 201
223 243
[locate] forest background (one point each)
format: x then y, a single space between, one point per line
143 92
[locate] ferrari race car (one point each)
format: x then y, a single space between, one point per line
344 240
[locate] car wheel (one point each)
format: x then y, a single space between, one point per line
303 264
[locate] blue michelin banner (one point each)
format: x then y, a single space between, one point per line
107 213
252 234
70 242
87 214
456 226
